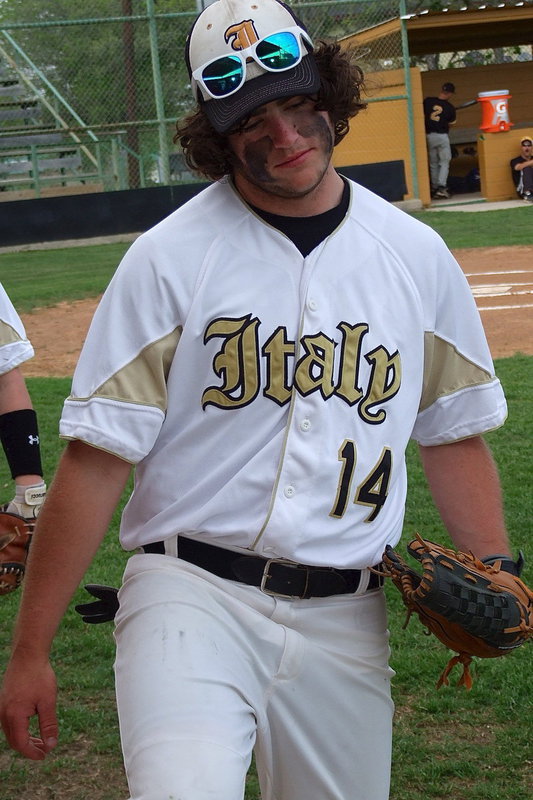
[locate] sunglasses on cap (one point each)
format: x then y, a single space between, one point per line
278 52
526 142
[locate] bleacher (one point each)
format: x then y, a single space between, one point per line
34 158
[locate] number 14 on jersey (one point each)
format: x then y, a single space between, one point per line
372 491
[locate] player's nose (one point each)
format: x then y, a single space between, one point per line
282 130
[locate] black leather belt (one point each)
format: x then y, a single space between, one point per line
274 576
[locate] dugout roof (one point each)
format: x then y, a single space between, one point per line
448 31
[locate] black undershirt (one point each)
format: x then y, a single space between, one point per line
307 232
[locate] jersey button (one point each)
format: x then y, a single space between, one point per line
289 491
312 305
305 425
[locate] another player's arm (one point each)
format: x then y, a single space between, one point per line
465 486
73 522
14 395
523 164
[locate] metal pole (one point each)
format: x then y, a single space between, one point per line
35 171
158 92
115 160
130 87
410 117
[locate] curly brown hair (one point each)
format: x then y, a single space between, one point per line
342 81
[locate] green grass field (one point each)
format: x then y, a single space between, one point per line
36 278
513 226
44 277
448 743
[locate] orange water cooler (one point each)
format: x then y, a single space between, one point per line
495 111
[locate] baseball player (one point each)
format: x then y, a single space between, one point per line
262 357
522 169
18 421
439 114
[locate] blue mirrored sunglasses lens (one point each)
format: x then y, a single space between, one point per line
279 51
223 76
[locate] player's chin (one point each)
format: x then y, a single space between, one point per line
297 182
289 190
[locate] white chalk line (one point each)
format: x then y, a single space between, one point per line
502 272
498 285
486 291
505 308
498 291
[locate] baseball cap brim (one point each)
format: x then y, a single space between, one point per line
224 113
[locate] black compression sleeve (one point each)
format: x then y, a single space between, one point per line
20 439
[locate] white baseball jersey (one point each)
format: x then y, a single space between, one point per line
266 398
15 348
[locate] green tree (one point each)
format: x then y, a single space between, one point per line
86 62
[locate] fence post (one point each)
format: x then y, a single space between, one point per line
100 164
410 118
158 91
35 170
130 90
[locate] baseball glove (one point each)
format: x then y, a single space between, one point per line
15 536
474 608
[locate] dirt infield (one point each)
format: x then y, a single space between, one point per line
501 279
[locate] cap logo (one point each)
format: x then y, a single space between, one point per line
244 35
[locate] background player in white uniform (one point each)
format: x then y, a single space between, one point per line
262 356
18 421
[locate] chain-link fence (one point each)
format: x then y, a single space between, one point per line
90 91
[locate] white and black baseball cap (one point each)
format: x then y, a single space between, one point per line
242 54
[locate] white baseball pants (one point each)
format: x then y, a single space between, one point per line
208 670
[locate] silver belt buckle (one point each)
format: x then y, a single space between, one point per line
266 575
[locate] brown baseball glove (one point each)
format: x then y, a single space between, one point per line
474 608
15 536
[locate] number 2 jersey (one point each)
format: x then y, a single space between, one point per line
267 399
438 114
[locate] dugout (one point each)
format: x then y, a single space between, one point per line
394 119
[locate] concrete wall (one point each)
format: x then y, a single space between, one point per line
85 216
381 132
495 150
134 210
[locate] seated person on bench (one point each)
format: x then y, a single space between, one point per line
522 169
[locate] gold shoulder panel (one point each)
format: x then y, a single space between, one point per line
8 334
144 379
447 371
